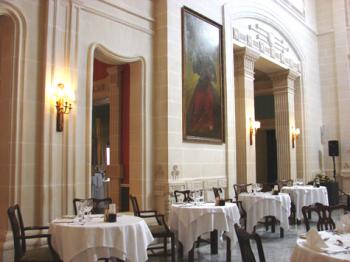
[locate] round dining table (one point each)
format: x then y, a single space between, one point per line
337 250
261 204
306 195
190 220
126 239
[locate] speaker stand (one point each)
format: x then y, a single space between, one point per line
334 168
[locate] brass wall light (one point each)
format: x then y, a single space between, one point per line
295 135
253 128
63 105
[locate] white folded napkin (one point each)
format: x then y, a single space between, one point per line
314 240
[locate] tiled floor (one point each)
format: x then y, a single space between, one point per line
276 249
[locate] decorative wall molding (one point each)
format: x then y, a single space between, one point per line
206 185
292 9
129 10
118 20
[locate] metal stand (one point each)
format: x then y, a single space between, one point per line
334 172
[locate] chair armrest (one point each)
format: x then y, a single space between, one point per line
36 228
161 221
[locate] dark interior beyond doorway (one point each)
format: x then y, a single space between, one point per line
271 149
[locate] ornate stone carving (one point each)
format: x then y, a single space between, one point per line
244 62
265 40
283 81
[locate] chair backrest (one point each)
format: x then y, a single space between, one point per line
15 216
217 191
76 203
100 205
285 182
185 194
244 244
135 205
240 188
324 213
267 187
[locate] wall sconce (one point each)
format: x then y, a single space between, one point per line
295 135
253 128
63 105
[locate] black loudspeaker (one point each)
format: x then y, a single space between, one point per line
333 148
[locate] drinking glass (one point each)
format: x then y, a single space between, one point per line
258 187
88 205
300 182
254 189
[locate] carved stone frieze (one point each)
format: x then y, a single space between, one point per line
261 38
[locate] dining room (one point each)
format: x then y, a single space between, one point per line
174 130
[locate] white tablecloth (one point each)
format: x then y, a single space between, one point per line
259 205
190 221
335 252
128 238
306 195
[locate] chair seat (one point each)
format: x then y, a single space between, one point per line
42 254
158 230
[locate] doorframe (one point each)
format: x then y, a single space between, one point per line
111 57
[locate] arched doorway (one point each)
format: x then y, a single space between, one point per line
116 115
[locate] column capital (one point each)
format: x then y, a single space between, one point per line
244 61
284 81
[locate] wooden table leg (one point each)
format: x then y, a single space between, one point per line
191 255
214 241
180 249
281 232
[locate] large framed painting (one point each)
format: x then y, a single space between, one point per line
202 81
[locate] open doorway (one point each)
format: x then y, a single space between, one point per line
266 146
110 136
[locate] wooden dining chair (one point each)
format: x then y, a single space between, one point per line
244 244
241 188
158 230
76 202
100 205
20 236
185 194
242 212
284 182
324 215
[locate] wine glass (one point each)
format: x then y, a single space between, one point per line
300 182
258 187
254 188
88 205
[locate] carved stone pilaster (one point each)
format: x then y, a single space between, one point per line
283 90
244 93
284 81
244 62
